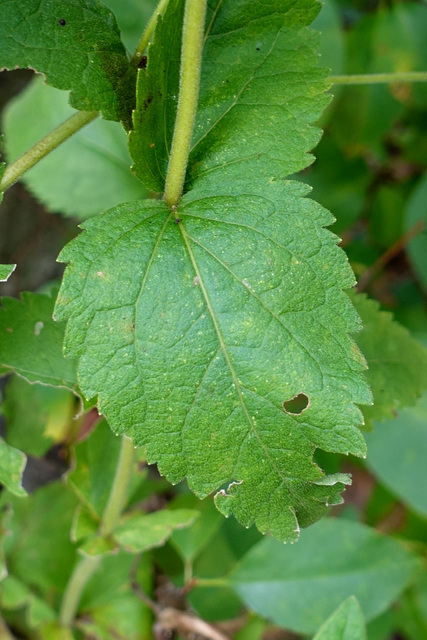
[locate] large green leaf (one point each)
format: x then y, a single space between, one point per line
397 455
87 174
298 587
77 46
31 342
397 363
195 328
346 623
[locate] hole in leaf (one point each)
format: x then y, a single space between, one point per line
296 405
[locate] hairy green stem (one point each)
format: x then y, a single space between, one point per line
118 494
45 146
148 32
75 587
191 62
380 78
89 564
210 582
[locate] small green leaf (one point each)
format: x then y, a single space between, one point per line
411 615
49 421
54 631
31 342
97 546
217 559
109 606
191 540
137 533
87 174
12 465
346 623
253 630
15 594
85 525
398 452
77 46
397 364
156 100
40 538
95 462
6 271
298 587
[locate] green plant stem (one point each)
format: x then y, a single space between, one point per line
191 62
45 146
75 587
118 494
210 582
89 564
380 78
148 32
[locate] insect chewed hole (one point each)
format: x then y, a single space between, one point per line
297 405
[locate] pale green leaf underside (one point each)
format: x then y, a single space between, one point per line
6 271
397 363
192 345
12 464
31 342
76 45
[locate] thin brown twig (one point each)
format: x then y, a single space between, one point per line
5 632
175 620
388 255
171 619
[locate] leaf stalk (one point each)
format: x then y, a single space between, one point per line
85 569
379 78
148 32
44 146
191 62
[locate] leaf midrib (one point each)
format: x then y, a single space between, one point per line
223 346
